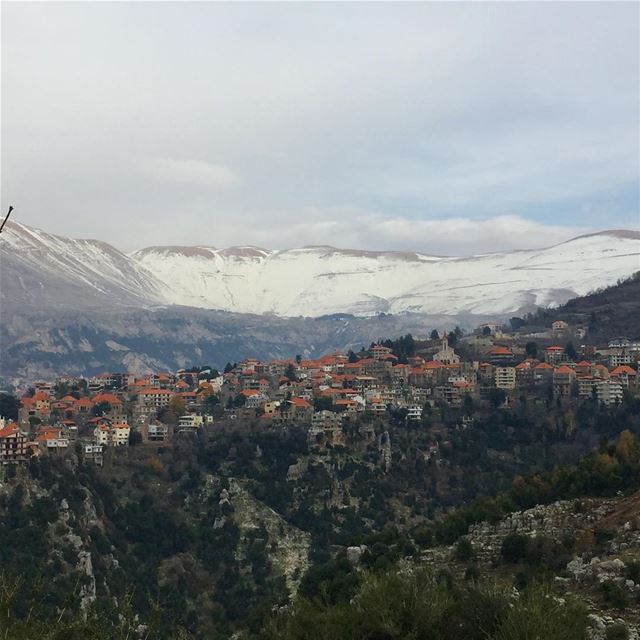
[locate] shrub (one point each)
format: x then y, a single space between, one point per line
538 614
404 605
632 571
514 547
472 573
617 631
614 595
423 536
464 550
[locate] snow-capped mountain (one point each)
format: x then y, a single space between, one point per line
39 269
42 270
81 306
315 281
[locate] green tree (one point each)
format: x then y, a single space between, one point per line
497 397
100 409
571 352
290 372
9 406
322 403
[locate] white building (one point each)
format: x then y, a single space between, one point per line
190 423
112 435
157 432
505 378
609 391
94 453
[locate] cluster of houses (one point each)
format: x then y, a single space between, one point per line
109 411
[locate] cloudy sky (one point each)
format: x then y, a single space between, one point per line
449 128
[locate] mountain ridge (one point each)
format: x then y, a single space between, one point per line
45 270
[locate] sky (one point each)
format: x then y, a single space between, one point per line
449 128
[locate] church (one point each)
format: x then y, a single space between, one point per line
446 355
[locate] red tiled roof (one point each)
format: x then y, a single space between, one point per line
501 351
107 397
564 369
624 369
9 430
301 403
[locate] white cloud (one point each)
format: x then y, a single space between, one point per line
192 172
348 228
350 124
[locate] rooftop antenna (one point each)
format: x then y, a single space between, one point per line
6 218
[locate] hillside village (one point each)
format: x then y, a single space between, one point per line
413 380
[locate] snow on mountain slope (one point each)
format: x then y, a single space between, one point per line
40 269
308 281
314 281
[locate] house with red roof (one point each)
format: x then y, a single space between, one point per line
583 368
524 371
51 440
543 373
13 443
554 354
113 434
564 378
109 398
83 405
348 406
627 376
297 409
500 356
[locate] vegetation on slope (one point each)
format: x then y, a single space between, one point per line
162 526
608 312
417 603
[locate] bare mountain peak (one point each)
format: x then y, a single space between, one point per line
248 251
177 250
627 234
363 253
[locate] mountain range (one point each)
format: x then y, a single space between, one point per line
83 306
40 269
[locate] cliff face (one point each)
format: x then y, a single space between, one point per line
61 530
211 533
136 536
605 535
